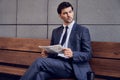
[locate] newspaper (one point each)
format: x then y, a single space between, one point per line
53 48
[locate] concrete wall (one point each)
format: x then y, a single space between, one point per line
37 18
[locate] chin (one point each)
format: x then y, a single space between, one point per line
70 21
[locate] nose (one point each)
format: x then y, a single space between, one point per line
68 14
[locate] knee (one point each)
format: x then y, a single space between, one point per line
39 61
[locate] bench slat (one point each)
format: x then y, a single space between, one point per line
12 70
24 44
107 47
21 58
112 55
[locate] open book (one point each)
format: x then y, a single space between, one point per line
53 48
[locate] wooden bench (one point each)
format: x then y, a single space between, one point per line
17 54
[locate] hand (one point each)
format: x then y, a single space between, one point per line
43 53
68 52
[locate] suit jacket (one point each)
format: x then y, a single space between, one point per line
80 44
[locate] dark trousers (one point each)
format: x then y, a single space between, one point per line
46 68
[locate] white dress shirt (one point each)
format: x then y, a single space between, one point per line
65 45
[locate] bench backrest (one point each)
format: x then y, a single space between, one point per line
106 58
20 51
23 51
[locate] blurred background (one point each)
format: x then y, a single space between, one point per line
37 18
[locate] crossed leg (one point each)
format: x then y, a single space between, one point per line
46 68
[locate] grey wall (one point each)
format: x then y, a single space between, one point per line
37 18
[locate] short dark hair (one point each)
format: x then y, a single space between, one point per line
62 6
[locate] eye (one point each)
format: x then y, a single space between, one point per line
70 11
64 13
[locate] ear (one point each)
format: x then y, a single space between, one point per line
60 16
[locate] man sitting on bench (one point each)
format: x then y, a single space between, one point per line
77 51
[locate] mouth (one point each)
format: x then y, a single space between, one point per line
69 19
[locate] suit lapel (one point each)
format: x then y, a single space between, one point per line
59 33
73 34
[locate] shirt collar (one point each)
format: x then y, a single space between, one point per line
70 25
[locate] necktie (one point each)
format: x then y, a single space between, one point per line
64 36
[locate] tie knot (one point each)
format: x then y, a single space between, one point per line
66 27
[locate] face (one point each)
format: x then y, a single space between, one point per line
67 15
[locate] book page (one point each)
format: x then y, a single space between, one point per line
53 48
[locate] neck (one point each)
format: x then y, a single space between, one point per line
67 23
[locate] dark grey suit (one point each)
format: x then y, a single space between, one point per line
57 67
80 44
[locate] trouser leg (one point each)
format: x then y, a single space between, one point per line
55 67
30 74
43 76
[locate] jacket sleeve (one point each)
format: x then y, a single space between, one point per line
52 38
85 52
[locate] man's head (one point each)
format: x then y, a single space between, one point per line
65 11
63 5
